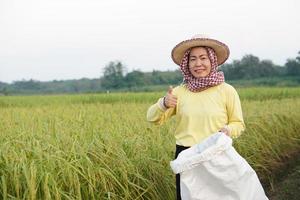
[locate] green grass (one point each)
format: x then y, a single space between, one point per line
284 81
254 93
101 146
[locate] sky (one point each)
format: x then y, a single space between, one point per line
71 39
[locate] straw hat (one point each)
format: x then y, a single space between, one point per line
221 49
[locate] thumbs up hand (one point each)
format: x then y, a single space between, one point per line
170 100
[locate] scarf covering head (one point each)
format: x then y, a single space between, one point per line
198 84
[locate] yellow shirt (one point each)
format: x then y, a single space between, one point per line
200 114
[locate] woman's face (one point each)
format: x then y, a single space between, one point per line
199 63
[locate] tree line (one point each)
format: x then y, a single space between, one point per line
249 67
116 77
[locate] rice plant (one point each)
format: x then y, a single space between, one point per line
101 146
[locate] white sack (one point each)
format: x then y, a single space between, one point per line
213 170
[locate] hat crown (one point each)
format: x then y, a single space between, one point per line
221 49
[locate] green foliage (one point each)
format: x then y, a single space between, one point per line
276 81
114 79
249 71
101 146
293 68
253 93
3 88
250 67
53 87
135 79
113 75
167 77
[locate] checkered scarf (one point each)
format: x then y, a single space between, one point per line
199 84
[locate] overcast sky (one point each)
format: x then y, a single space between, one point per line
71 39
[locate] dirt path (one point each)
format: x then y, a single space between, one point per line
289 187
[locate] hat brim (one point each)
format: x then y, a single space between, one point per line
221 49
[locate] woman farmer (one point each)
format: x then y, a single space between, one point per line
204 103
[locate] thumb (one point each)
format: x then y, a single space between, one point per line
170 89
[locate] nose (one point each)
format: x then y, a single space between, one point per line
198 62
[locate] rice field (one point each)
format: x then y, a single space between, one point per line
100 146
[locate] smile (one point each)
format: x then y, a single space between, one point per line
199 70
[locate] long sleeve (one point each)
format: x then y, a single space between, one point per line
157 114
200 114
234 110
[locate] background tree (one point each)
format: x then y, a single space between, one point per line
250 67
293 66
135 79
249 71
267 69
113 75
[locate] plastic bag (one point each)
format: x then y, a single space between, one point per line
213 170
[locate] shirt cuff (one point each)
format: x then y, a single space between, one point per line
161 104
228 129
